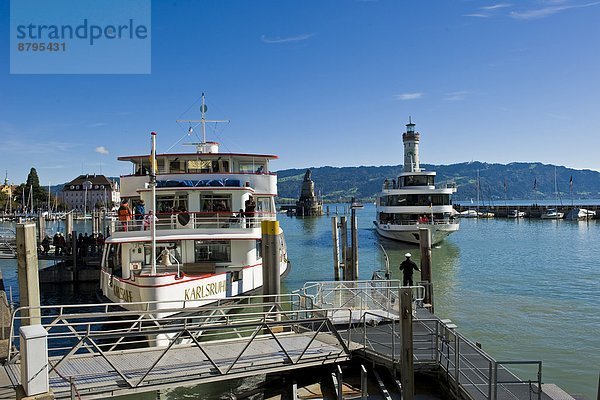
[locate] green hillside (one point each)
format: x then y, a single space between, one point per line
340 184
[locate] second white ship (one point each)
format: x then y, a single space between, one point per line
411 200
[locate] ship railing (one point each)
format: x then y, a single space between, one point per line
196 220
441 221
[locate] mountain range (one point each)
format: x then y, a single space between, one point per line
533 181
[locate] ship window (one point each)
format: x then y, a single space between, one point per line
212 250
419 180
263 205
171 203
199 166
253 167
215 202
259 248
113 259
173 248
176 166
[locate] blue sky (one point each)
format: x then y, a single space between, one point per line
326 83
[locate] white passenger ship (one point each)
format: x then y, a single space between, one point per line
208 210
412 201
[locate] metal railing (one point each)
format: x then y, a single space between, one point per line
78 334
357 295
440 221
538 379
467 367
194 220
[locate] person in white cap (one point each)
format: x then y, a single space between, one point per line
407 266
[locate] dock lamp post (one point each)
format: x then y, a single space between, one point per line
353 227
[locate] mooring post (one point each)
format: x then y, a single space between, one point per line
406 360
271 249
69 223
42 227
354 263
336 247
94 223
29 284
74 251
425 246
345 255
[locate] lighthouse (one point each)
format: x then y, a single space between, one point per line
411 148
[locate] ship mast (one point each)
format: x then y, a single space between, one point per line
203 146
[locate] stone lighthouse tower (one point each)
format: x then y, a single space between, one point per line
411 148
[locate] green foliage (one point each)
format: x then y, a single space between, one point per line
340 184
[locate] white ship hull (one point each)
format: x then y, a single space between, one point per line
410 233
188 291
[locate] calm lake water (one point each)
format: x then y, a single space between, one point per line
524 289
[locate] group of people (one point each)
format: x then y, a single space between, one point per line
139 215
86 245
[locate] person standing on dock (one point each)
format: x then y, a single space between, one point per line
406 267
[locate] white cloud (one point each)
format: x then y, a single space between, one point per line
496 6
456 96
547 11
288 39
408 96
477 15
101 150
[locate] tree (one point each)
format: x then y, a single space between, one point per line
33 179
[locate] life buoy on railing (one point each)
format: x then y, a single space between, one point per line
183 218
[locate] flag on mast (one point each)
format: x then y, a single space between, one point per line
534 183
504 185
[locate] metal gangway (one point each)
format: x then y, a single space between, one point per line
372 307
95 351
8 243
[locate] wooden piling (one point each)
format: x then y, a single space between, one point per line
425 247
406 359
68 223
27 264
336 247
74 254
354 256
41 227
345 256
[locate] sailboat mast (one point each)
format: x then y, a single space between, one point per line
478 191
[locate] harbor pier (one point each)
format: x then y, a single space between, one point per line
101 350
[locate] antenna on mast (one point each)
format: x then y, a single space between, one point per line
203 146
